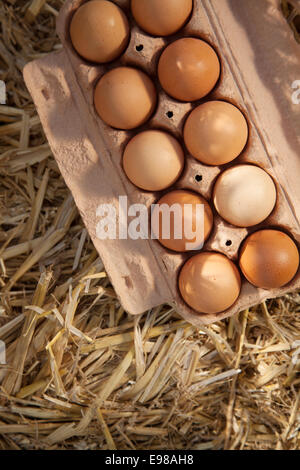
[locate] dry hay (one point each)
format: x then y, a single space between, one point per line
82 374
291 11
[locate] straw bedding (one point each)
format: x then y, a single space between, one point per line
80 372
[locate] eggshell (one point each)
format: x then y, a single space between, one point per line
183 197
209 282
99 31
153 160
269 259
161 17
188 69
216 132
244 195
125 97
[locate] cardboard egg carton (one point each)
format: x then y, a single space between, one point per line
260 61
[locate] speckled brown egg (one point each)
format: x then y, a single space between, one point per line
185 224
153 160
269 259
188 69
216 132
161 17
209 283
125 98
99 31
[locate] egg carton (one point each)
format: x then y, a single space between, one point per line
260 62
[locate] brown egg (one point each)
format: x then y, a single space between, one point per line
188 69
244 195
209 283
216 133
99 31
153 160
269 259
161 18
125 98
187 230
